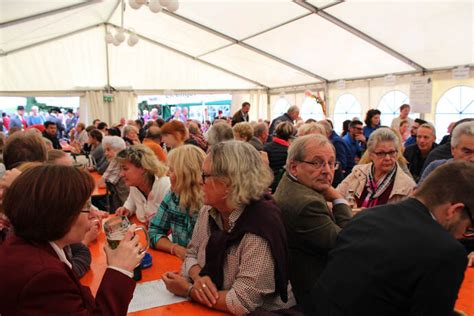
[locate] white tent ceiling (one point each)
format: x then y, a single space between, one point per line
58 45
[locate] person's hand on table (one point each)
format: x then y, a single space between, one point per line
206 291
178 251
176 283
127 255
122 211
470 257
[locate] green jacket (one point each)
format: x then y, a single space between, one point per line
312 230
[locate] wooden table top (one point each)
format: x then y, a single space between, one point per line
164 262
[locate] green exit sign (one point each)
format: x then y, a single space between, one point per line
108 98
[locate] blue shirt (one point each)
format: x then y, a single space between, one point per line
432 166
410 140
369 130
353 145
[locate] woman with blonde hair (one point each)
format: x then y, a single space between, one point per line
146 177
180 207
381 180
311 128
243 131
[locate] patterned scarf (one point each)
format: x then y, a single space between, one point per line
376 189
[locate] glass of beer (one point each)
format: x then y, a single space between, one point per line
115 229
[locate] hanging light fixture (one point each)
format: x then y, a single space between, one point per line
173 6
155 6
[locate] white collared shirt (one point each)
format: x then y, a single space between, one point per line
61 254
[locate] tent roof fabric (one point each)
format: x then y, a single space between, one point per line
227 44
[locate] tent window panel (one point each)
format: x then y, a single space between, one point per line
311 109
280 107
347 108
455 104
389 106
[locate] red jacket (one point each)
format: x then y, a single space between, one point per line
33 281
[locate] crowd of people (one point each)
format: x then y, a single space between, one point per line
281 217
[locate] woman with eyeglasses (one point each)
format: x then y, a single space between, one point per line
35 272
179 209
237 258
382 180
146 177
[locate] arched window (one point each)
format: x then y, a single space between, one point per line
311 109
455 104
347 107
389 106
280 107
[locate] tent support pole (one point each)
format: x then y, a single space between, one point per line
50 39
48 13
195 58
359 34
245 45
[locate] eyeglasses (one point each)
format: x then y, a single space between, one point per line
471 216
318 164
383 154
87 207
206 175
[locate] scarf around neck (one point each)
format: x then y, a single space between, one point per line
376 189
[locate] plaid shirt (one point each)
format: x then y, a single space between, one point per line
171 217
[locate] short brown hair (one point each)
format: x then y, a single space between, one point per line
22 147
55 154
449 183
97 135
54 194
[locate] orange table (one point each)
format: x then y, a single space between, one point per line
97 191
465 300
162 262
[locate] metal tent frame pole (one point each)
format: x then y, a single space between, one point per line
360 34
48 13
194 58
245 45
16 50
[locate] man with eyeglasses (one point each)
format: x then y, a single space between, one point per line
303 195
402 258
355 139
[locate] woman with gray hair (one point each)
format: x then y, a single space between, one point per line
218 133
381 180
118 190
237 258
